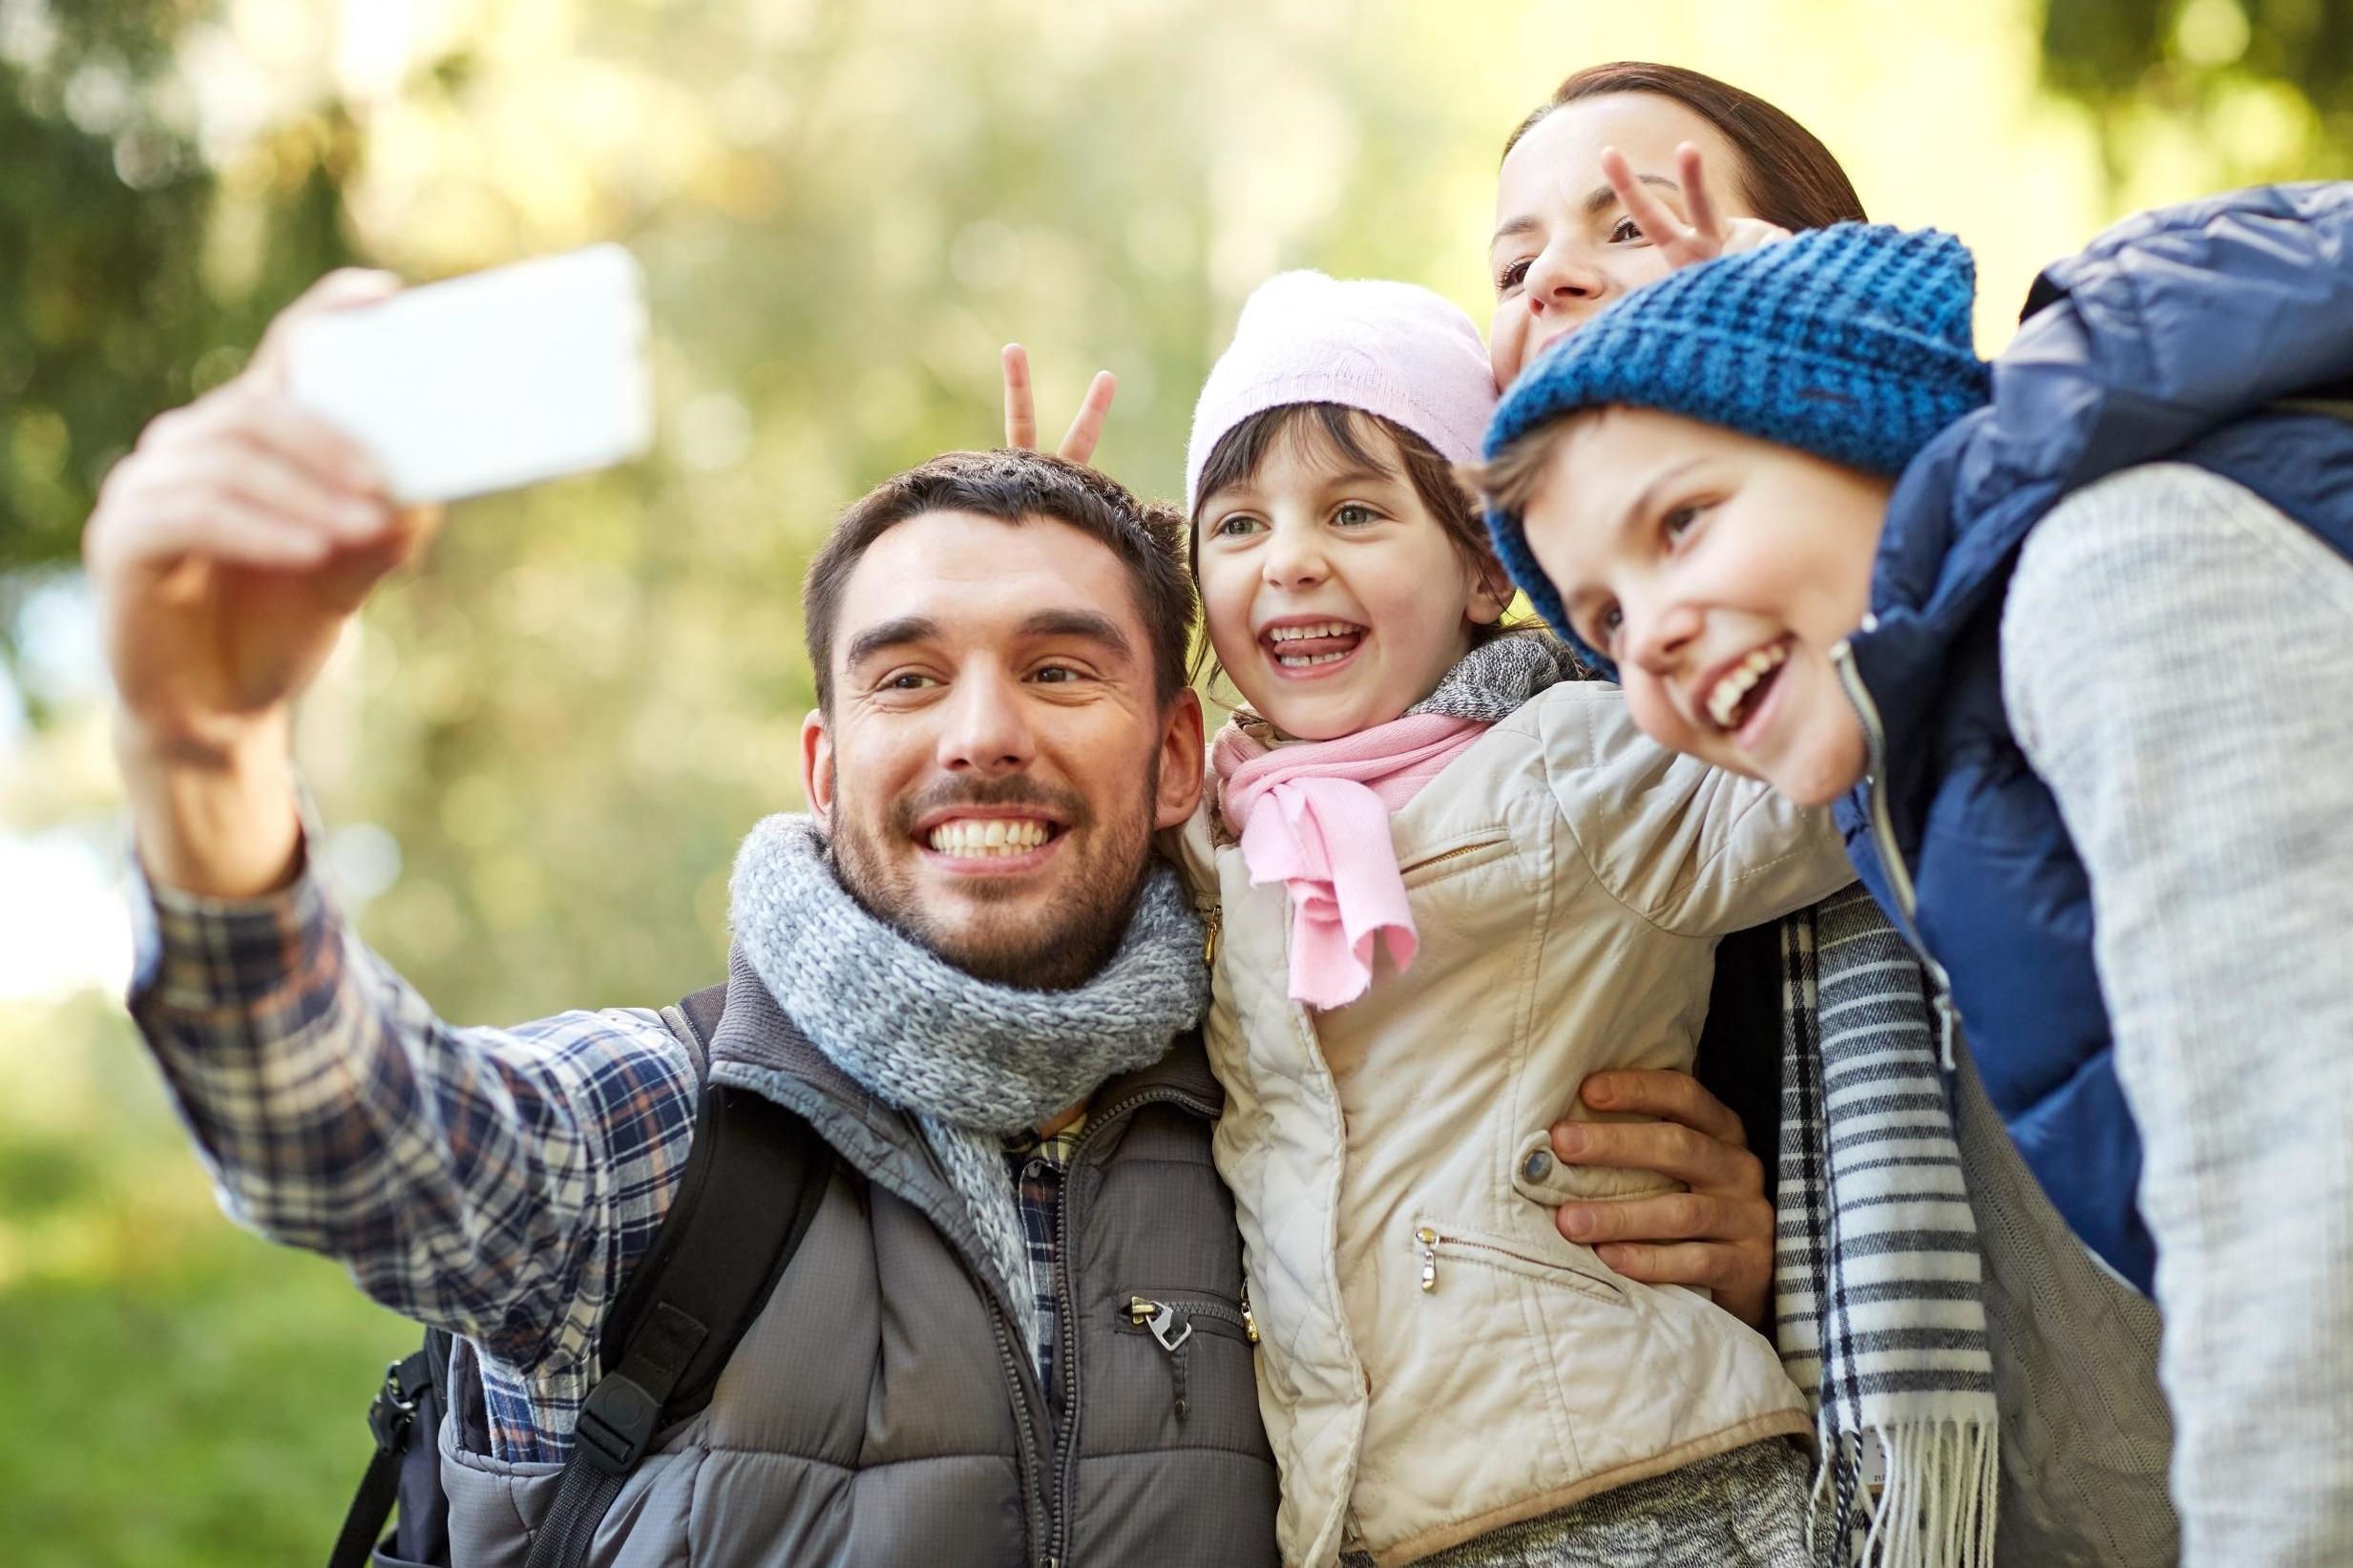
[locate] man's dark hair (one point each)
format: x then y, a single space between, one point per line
1787 176
1014 487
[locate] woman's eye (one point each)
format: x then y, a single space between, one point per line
1677 522
1511 277
1355 515
1602 630
1628 232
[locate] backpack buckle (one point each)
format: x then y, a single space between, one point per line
617 1423
392 1412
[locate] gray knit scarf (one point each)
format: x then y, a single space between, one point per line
971 1061
1500 675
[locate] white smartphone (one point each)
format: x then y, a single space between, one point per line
488 381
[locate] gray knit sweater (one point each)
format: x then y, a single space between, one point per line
2177 662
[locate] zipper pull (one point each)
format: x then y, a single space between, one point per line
1168 1325
1249 1323
1213 920
1948 1017
1428 1238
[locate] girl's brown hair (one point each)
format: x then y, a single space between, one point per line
1342 431
1787 176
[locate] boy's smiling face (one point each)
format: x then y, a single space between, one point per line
1719 572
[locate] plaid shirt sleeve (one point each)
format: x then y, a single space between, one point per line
496 1182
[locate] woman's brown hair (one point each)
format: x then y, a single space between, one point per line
1787 176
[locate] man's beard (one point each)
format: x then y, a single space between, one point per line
1064 945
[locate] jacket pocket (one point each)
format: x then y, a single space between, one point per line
1439 1248
1445 861
1174 1318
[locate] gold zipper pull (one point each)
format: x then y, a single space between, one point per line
1428 1238
1249 1323
1212 921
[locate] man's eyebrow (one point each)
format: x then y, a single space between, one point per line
1090 625
890 634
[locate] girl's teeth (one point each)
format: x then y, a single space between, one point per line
1301 661
1294 634
969 837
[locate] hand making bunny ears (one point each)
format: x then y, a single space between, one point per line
1021 412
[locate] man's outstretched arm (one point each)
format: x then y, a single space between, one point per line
493 1183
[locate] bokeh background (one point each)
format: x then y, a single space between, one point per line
538 750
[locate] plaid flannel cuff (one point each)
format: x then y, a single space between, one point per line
214 958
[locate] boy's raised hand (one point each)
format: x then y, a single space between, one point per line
1708 235
1022 414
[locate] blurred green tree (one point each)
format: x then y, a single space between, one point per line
2268 82
114 302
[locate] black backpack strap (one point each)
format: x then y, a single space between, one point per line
693 1019
406 1383
722 1247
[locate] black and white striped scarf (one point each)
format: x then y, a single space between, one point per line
1877 1309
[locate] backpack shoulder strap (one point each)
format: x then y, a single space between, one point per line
726 1240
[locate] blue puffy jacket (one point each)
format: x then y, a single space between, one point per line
2175 336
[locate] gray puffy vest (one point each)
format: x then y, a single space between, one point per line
882 1409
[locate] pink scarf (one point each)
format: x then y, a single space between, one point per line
1314 816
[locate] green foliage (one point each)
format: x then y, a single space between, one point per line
178 1391
2208 63
111 309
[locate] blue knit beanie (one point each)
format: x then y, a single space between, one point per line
1851 342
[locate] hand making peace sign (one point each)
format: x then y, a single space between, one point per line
1708 235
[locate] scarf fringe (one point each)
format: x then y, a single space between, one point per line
1936 1507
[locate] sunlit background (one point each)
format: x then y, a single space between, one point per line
537 753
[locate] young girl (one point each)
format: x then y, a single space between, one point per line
2069 638
1453 880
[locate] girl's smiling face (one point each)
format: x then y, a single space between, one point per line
1563 246
1335 599
1719 572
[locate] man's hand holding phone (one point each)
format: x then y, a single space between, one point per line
232 545
228 551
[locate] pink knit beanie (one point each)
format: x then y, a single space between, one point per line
1393 349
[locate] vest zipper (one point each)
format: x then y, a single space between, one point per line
1035 1481
1170 1324
1171 1320
1212 922
1066 1364
1883 838
1031 1469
